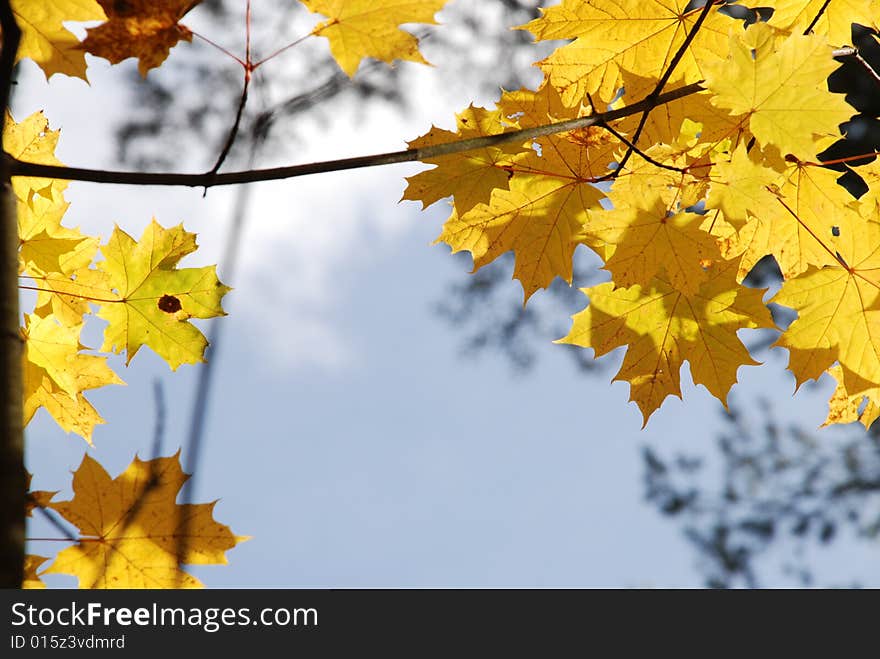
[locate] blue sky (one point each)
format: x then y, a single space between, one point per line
346 433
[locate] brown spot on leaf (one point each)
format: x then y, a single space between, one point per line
169 304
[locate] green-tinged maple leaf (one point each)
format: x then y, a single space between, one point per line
132 528
371 28
662 328
780 88
650 240
838 307
46 41
154 299
612 36
56 372
146 29
468 177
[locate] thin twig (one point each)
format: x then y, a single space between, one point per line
281 50
234 130
161 413
219 47
248 71
653 97
817 17
642 154
870 69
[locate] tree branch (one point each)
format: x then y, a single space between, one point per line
21 168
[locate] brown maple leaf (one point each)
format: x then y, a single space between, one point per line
146 29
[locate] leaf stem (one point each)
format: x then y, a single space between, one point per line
79 296
220 48
281 50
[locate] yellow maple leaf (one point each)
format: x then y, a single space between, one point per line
131 528
791 222
56 373
31 580
36 498
838 307
870 174
611 36
146 29
370 28
662 328
67 296
650 239
45 245
31 140
544 206
76 415
835 18
742 187
539 225
152 299
664 123
63 251
780 86
844 407
679 189
46 41
468 177
56 350
584 153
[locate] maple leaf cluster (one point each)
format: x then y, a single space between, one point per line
137 287
132 533
679 199
682 200
131 526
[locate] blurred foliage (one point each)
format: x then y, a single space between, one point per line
189 105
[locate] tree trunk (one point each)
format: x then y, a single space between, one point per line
12 475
